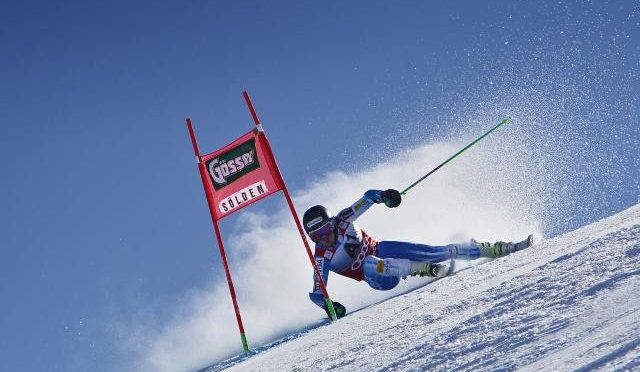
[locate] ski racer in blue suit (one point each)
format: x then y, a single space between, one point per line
344 248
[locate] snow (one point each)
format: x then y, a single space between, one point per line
567 303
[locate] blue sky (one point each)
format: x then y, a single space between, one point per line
103 213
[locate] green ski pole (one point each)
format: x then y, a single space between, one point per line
332 312
505 121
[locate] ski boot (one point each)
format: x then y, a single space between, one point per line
500 249
497 249
431 270
528 242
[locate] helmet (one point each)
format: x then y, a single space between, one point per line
315 218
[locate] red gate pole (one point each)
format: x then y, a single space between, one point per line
323 287
207 191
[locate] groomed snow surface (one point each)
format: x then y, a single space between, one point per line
568 303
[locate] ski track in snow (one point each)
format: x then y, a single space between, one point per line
568 303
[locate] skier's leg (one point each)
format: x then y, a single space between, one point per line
467 251
388 266
383 280
401 267
427 253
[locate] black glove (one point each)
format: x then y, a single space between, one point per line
391 198
340 310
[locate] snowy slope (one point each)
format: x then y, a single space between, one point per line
567 303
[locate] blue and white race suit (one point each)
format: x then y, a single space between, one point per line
355 253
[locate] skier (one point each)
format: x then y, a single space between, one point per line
342 247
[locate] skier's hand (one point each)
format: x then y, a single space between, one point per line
339 308
391 198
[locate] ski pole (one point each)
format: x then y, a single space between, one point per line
505 121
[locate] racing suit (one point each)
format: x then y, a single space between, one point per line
355 253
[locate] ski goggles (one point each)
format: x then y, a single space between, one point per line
324 230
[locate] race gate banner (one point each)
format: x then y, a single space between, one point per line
241 173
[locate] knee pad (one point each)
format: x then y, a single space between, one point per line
375 279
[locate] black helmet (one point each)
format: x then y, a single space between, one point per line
315 217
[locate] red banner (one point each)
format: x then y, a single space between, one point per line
240 173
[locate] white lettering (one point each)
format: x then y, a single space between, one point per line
358 261
221 170
320 264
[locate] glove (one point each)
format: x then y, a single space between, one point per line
391 198
340 310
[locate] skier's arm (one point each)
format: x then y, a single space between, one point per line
324 264
317 295
391 198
